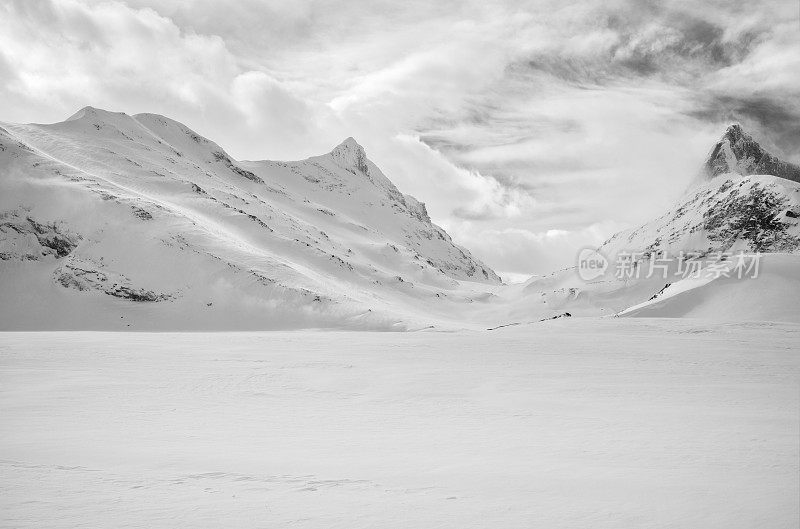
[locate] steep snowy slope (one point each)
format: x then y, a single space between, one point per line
711 295
748 200
116 221
727 213
110 221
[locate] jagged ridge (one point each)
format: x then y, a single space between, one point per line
737 152
754 209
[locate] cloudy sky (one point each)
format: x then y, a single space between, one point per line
529 128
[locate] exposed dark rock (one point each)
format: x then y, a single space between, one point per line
87 276
25 238
224 158
557 316
654 296
141 213
351 156
753 216
140 295
737 152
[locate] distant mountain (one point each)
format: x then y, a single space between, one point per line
117 222
112 221
756 213
684 262
737 152
749 201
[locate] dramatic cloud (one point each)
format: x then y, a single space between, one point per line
530 128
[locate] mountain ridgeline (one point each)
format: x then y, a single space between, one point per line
737 152
747 201
117 222
138 222
729 249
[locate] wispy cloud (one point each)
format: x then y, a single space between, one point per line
512 119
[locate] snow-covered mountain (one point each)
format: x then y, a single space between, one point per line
738 153
110 221
749 201
137 222
728 249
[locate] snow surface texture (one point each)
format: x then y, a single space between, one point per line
118 222
572 423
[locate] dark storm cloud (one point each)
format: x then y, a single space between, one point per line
687 47
649 41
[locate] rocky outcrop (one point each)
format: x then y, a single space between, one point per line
87 275
351 156
25 238
752 215
737 152
754 208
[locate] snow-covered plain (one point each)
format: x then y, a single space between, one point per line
566 423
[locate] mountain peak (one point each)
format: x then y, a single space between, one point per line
737 152
92 112
350 142
350 155
735 132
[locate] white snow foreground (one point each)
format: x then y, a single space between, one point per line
601 423
110 221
